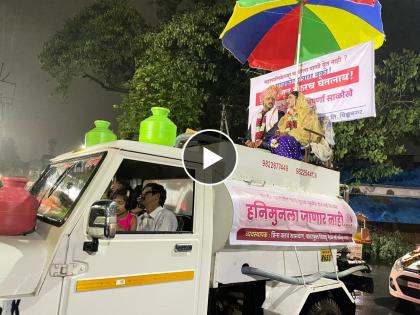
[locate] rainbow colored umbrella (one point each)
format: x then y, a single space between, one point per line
276 34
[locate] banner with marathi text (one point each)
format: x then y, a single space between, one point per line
268 216
340 84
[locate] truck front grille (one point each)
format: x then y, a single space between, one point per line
412 292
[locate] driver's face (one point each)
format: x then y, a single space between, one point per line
146 197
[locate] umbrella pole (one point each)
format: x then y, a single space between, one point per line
298 45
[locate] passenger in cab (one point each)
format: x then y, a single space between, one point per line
264 123
119 183
156 218
126 221
298 127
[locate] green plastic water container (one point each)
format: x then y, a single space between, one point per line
158 128
100 134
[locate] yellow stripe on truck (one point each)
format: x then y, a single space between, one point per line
118 282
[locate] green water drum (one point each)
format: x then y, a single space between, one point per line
158 128
100 134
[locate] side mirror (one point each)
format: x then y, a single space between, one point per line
103 220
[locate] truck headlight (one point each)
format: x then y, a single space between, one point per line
398 265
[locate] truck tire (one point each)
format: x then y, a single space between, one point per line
325 306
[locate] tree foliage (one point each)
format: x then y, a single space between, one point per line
386 247
182 65
369 145
169 8
99 43
186 69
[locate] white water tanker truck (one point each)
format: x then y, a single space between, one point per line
262 242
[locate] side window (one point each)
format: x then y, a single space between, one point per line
152 198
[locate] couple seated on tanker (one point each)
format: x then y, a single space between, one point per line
287 133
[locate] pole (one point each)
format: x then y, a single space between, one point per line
301 3
223 120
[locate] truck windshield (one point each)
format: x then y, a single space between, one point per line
60 186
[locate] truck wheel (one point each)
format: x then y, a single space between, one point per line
326 306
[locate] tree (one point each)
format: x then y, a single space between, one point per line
100 43
368 146
168 8
186 69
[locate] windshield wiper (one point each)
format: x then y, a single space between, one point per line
59 180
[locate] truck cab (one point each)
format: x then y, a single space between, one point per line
76 263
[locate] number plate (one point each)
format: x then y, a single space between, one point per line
326 255
413 285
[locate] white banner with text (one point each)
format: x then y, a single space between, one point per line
341 85
269 216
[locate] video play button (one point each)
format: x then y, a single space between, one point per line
209 157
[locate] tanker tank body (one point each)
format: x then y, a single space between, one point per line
258 172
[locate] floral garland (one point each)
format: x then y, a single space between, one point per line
260 125
291 122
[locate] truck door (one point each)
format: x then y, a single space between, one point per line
141 272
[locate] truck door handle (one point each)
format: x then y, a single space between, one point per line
182 248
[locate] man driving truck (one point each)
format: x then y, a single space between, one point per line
156 218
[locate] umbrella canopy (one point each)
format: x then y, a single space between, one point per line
275 34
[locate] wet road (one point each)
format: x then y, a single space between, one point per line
381 302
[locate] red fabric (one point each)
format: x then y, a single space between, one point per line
125 222
291 124
368 2
277 48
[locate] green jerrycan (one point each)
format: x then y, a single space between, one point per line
100 134
158 128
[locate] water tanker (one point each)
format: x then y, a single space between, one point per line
261 242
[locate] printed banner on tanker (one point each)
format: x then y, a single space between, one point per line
341 85
268 216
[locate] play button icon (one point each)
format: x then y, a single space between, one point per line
209 157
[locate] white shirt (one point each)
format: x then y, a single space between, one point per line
160 219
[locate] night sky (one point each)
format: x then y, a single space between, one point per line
37 115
